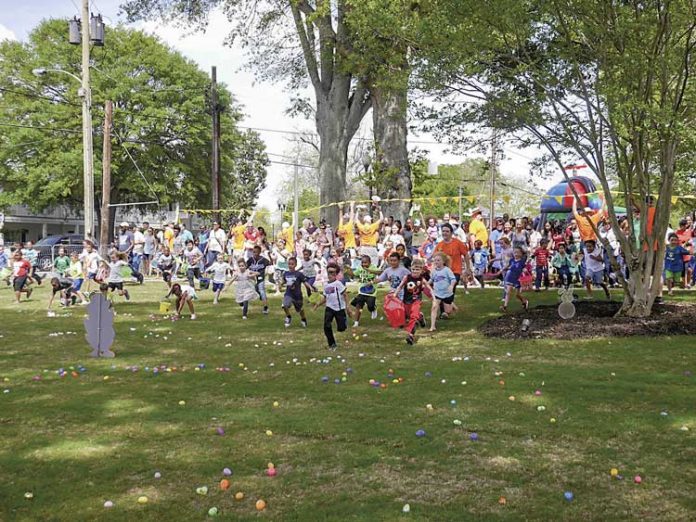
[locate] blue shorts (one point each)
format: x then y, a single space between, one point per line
91 275
218 287
261 289
597 278
77 284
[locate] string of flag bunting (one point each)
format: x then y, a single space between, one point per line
471 199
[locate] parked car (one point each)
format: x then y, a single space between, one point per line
48 248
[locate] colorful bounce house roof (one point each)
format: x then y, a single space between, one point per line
559 198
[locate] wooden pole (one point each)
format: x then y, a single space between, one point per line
215 181
105 229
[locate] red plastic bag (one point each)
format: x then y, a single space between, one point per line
394 310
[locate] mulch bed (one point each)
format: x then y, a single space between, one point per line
592 319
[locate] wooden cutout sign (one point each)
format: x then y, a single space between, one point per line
99 327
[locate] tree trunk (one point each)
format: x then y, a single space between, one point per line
392 168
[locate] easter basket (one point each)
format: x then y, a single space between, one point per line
394 310
526 281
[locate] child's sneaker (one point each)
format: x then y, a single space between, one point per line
265 310
29 292
410 339
125 292
356 324
374 314
304 323
244 317
526 305
333 347
421 321
193 317
287 322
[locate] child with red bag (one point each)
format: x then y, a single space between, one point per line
413 286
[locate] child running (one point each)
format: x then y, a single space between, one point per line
594 267
443 283
245 286
413 285
166 264
562 263
293 281
185 294
514 271
219 269
394 274
367 293
479 258
309 268
674 262
76 273
334 296
118 261
541 258
258 264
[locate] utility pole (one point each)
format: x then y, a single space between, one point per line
215 181
494 171
88 173
105 228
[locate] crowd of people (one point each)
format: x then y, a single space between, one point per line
430 257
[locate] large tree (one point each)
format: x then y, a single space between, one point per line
160 123
609 83
292 41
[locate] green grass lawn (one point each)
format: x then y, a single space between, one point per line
342 451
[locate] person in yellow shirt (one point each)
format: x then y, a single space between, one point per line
346 229
287 234
369 235
169 235
237 238
477 228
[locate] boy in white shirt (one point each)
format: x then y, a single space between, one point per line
334 296
219 269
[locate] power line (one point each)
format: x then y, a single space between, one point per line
53 129
39 96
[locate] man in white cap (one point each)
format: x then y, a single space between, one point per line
477 228
287 234
369 235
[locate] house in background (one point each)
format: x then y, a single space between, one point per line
19 224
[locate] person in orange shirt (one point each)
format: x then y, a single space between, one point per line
587 233
456 250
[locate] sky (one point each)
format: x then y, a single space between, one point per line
264 104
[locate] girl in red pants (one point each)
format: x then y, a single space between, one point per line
413 286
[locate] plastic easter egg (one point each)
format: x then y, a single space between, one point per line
260 505
213 512
227 472
324 379
474 437
28 495
271 472
182 403
276 404
270 465
203 490
406 508
108 504
614 472
638 479
142 499
511 398
420 433
224 484
220 431
502 501
568 495
239 495
158 475
269 433
457 422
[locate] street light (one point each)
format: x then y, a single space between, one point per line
87 146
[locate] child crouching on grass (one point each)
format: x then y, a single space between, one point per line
334 296
443 282
514 271
413 285
185 295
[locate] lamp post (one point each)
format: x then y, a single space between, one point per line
87 145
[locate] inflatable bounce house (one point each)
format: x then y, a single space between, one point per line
557 203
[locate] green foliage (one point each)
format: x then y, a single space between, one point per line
160 115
